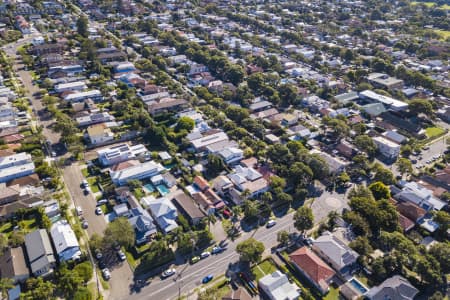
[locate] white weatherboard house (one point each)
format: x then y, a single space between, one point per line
387 148
119 153
65 241
276 286
164 213
139 171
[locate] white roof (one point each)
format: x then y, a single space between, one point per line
15 159
339 253
384 99
278 285
209 139
25 168
67 85
385 141
63 236
135 171
82 95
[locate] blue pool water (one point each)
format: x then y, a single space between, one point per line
149 187
162 189
358 285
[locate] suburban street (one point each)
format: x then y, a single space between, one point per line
189 276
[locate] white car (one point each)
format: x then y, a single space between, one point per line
106 274
121 255
98 211
168 273
205 254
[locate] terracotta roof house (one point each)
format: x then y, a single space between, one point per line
395 287
313 268
201 183
411 211
405 223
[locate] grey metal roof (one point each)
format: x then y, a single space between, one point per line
395 288
39 249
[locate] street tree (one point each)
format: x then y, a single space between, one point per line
303 219
283 237
250 250
38 289
404 166
119 231
83 26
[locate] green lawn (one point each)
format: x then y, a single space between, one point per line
434 131
131 260
333 294
93 184
264 268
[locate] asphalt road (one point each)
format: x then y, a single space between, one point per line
189 277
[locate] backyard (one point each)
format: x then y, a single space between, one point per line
262 269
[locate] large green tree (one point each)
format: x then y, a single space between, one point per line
250 250
303 219
119 231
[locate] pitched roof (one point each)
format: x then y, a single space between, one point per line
239 294
337 252
410 210
12 263
39 249
201 182
395 287
187 204
312 265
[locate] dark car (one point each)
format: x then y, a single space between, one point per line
207 279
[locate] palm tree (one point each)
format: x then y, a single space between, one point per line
5 285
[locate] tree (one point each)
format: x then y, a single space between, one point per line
283 237
250 250
5 285
384 175
342 179
38 289
83 293
404 165
442 218
185 123
361 245
209 294
215 164
256 82
288 94
303 219
68 281
82 26
380 190
234 74
84 270
251 210
3 243
119 231
423 106
318 166
437 296
441 252
366 144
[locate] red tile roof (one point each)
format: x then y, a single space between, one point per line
411 211
201 183
405 223
312 265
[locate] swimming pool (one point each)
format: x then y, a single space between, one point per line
162 189
149 188
358 285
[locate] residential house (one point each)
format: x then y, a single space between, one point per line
110 54
276 286
9 194
135 170
331 249
15 166
40 253
313 268
164 213
346 149
143 224
121 210
335 164
222 184
188 208
231 156
395 287
419 195
71 86
99 134
95 95
23 25
385 81
411 211
166 105
260 105
122 68
119 153
65 241
395 136
247 179
289 120
95 118
13 265
387 148
202 141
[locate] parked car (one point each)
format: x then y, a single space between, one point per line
79 210
216 250
84 183
271 223
98 211
85 224
86 191
121 255
195 259
106 274
98 254
168 273
102 201
205 254
207 279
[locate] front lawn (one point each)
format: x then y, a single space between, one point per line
434 131
333 294
264 268
93 183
